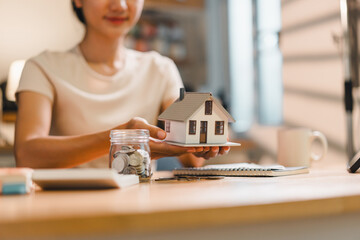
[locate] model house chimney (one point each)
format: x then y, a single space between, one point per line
182 94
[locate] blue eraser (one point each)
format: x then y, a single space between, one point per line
13 188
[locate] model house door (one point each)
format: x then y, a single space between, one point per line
203 131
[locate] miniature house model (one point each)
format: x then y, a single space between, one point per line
196 118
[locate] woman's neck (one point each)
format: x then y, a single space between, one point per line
104 55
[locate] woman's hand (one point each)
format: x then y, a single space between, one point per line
161 149
197 158
210 152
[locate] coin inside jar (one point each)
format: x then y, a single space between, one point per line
126 149
136 159
120 162
145 155
129 170
129 152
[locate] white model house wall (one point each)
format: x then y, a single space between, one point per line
177 131
199 115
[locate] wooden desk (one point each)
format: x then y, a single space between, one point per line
158 208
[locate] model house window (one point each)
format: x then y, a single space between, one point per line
208 107
219 128
167 126
192 127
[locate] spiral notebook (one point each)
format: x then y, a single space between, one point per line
240 170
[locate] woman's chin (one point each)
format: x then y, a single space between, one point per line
117 32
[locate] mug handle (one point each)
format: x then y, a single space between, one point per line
322 138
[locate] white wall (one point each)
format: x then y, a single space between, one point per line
27 27
312 72
313 76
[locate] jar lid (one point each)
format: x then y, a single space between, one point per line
133 135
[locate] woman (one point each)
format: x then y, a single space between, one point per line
69 101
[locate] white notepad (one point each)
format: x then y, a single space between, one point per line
82 178
240 170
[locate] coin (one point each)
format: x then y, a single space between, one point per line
146 158
127 149
136 159
140 169
128 160
129 170
120 162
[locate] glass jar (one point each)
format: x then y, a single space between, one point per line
130 152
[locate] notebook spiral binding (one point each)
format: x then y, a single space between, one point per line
248 170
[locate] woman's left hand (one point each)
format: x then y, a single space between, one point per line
197 158
210 152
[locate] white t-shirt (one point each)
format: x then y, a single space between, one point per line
85 101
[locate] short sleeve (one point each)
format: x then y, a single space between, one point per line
173 82
35 79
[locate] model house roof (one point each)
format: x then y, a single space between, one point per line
181 110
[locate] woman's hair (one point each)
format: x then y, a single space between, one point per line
79 13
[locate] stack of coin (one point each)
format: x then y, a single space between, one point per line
120 162
121 158
137 161
146 162
132 161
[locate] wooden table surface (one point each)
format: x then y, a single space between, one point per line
156 206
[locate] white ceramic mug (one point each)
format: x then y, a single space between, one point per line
294 147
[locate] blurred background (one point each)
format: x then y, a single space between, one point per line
272 63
